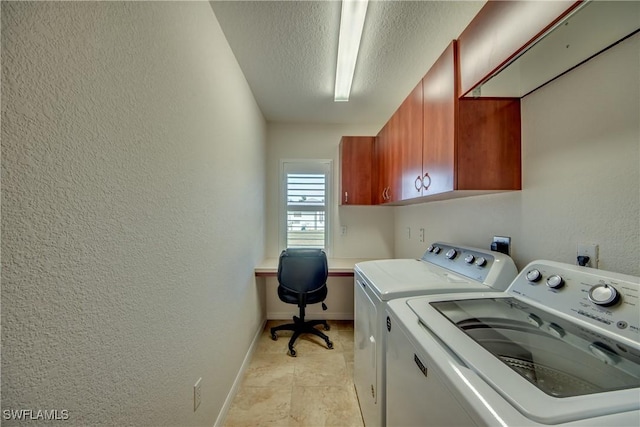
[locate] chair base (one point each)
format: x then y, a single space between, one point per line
300 327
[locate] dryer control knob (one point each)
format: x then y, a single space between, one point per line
604 295
469 259
534 275
555 282
481 261
430 248
451 253
436 250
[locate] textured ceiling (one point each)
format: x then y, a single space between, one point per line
287 51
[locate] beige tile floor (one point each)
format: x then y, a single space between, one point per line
313 389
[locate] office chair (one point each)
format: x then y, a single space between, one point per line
302 275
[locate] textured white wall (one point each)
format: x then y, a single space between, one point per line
132 211
581 174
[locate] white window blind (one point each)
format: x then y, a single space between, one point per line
306 188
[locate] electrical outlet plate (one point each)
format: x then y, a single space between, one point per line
591 250
503 240
197 394
422 235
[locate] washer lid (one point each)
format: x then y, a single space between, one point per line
550 369
395 278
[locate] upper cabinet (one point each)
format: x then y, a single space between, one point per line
469 146
436 146
511 48
439 125
387 163
499 32
409 144
356 170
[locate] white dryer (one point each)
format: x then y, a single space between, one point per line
443 268
560 347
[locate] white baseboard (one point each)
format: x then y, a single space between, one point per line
287 315
236 383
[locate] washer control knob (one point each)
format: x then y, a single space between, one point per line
451 253
481 261
436 250
604 295
469 259
555 282
430 248
534 275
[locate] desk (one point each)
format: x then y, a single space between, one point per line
338 267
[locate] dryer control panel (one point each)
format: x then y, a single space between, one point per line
494 269
604 299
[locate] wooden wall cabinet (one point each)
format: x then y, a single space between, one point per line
500 31
398 146
469 144
356 170
410 135
387 165
436 146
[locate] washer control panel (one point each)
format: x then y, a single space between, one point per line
605 299
491 268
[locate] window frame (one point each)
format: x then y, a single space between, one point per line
305 166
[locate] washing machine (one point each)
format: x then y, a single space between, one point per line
561 347
443 268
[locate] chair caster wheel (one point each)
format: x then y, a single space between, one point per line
292 352
274 336
329 345
327 327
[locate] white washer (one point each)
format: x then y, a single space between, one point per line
560 347
444 268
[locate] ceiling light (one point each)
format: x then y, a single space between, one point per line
351 24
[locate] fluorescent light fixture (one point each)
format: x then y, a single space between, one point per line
351 24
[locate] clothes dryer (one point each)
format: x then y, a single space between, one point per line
444 268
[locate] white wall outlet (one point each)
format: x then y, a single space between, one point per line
590 250
343 230
422 235
408 233
197 394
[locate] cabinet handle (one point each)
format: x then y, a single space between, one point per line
426 176
418 183
346 197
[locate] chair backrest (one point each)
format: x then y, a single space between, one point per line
303 270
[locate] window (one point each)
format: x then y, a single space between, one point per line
305 204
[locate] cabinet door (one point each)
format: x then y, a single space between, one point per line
356 162
500 31
439 108
410 144
381 166
387 155
488 144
